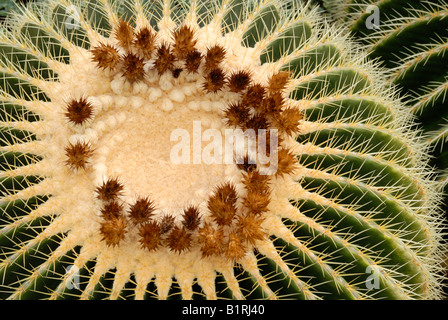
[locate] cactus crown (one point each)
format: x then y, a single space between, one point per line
93 95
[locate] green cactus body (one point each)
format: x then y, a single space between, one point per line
352 214
411 41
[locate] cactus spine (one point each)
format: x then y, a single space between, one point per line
91 92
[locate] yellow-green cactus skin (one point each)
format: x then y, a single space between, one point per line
94 95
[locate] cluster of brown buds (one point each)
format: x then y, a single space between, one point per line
142 46
234 223
152 233
228 232
259 106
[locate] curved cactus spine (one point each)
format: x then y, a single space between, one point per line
89 190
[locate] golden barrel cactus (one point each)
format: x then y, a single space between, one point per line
206 149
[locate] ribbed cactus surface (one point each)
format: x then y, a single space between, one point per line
411 40
92 206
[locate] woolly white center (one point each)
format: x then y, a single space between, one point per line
144 152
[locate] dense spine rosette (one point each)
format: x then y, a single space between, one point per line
99 202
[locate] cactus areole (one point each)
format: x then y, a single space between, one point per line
223 149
